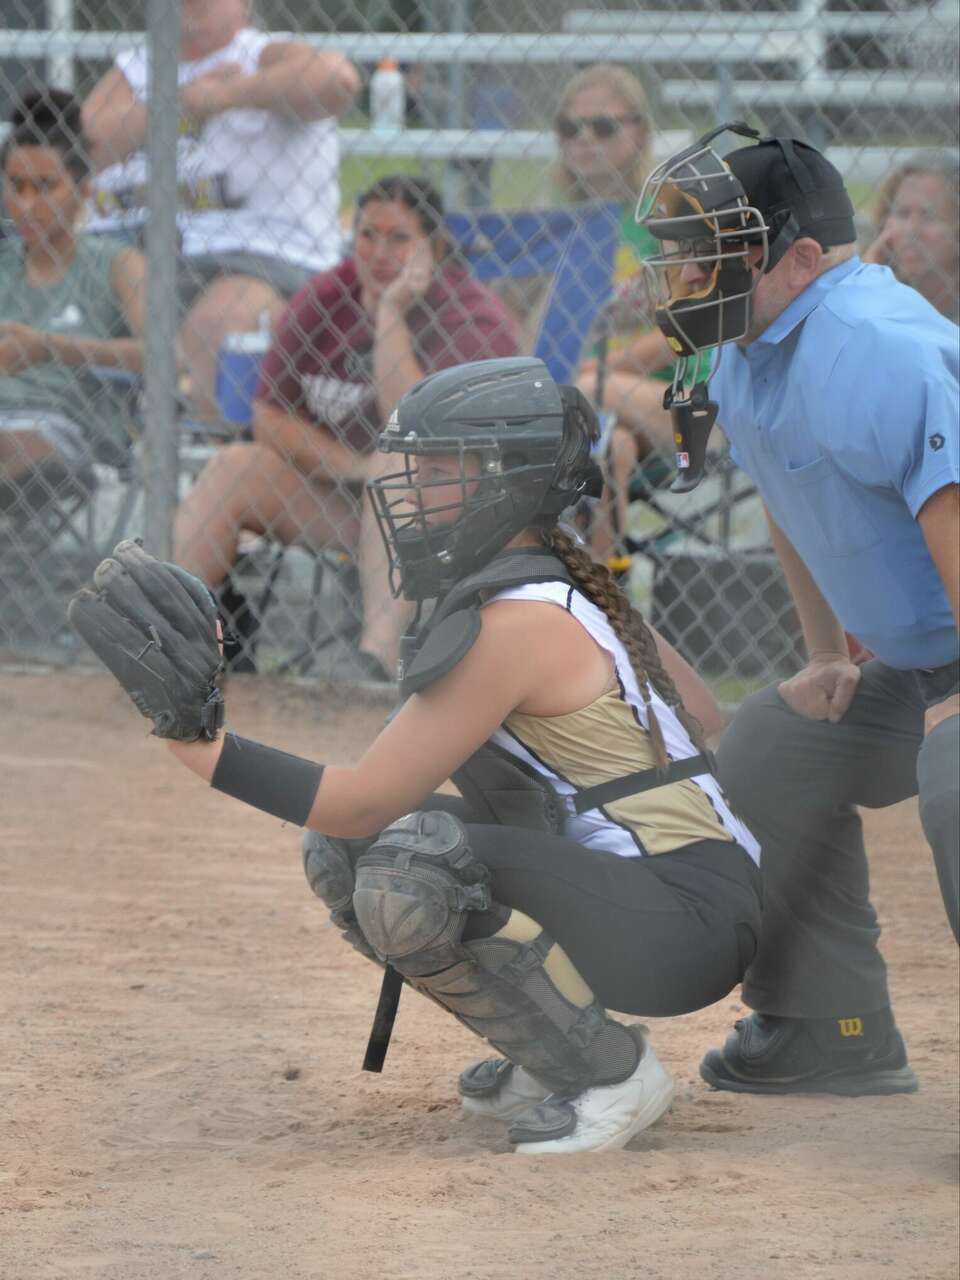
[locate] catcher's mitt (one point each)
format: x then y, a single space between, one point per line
155 627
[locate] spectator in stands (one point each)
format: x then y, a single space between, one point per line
258 164
916 217
66 302
347 347
604 134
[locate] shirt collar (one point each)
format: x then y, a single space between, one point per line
804 303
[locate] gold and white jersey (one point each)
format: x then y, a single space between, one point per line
608 739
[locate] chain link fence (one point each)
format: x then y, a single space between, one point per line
234 235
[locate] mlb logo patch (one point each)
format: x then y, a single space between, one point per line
683 461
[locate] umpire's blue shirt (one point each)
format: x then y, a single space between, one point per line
845 414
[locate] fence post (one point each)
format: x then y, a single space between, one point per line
61 70
458 20
160 368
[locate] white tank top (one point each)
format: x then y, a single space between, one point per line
610 738
281 173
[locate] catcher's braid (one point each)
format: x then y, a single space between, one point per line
598 584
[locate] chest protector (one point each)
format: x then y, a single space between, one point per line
497 787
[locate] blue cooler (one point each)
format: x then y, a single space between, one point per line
238 368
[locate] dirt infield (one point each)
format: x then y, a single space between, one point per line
182 1034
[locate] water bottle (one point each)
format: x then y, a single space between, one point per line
238 369
388 96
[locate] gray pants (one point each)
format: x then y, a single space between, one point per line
796 783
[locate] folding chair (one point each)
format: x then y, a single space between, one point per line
51 542
574 246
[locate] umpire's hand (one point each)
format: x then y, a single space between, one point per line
823 690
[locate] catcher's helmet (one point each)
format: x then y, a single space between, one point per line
713 212
522 446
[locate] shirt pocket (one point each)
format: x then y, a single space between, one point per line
834 514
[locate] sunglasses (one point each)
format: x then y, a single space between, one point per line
602 127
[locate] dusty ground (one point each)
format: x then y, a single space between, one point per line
182 1034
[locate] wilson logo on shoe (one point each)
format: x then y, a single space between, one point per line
850 1026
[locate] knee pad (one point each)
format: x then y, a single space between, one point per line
414 886
328 865
414 889
329 869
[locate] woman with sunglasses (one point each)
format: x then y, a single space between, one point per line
605 142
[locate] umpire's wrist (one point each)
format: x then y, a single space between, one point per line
828 655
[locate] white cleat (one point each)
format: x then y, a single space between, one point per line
498 1089
601 1118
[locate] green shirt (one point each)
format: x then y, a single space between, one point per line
82 305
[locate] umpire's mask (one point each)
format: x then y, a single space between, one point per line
724 222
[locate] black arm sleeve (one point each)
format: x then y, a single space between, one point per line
271 780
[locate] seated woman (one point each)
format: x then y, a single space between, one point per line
347 348
917 218
605 135
592 862
65 303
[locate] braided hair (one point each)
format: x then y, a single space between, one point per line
598 585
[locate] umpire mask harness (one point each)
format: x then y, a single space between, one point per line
489 449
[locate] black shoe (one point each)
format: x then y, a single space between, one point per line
765 1054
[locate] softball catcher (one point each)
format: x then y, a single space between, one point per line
591 862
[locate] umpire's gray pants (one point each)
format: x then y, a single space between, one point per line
797 782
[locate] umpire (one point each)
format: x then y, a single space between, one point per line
838 393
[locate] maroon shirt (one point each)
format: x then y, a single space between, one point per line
320 365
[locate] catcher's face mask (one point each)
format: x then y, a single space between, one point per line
714 247
489 448
436 509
